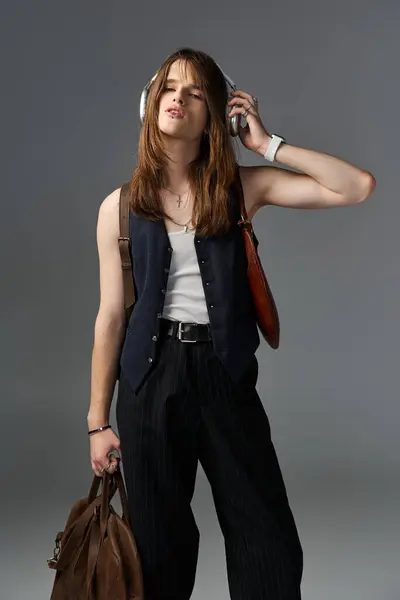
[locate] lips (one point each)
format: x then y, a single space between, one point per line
178 112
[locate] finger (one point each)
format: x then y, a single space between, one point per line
101 466
114 461
242 94
241 107
239 100
238 110
113 464
112 468
113 457
244 105
119 453
96 470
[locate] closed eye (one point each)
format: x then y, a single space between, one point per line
169 89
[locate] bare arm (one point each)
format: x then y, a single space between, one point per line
109 327
326 181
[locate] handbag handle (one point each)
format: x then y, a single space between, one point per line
111 483
244 220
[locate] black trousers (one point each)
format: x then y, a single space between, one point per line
189 410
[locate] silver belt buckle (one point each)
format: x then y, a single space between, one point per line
180 333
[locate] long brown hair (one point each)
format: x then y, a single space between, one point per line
211 173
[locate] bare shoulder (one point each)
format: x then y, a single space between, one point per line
254 180
111 282
108 214
107 230
110 203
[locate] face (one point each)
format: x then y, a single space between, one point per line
189 120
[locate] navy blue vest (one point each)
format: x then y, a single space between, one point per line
223 268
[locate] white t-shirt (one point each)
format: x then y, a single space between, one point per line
184 296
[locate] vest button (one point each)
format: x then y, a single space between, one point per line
154 338
202 262
169 249
150 360
163 291
211 305
159 315
166 270
207 283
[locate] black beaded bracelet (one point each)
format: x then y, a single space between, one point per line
99 429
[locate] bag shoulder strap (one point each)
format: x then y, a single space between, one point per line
124 242
239 192
244 218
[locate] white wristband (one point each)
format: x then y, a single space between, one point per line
274 144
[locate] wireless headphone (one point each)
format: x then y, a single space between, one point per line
234 121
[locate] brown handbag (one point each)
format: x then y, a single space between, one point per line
95 557
264 303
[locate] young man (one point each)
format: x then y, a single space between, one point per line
187 386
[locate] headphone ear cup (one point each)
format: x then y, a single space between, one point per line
234 123
144 96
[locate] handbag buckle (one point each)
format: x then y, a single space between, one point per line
52 562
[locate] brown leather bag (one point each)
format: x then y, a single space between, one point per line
96 557
264 303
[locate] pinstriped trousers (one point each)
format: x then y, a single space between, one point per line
188 410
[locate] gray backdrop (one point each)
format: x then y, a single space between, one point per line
326 75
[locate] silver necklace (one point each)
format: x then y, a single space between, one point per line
179 196
184 225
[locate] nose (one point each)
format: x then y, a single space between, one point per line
178 97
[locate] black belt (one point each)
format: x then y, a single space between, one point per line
186 332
